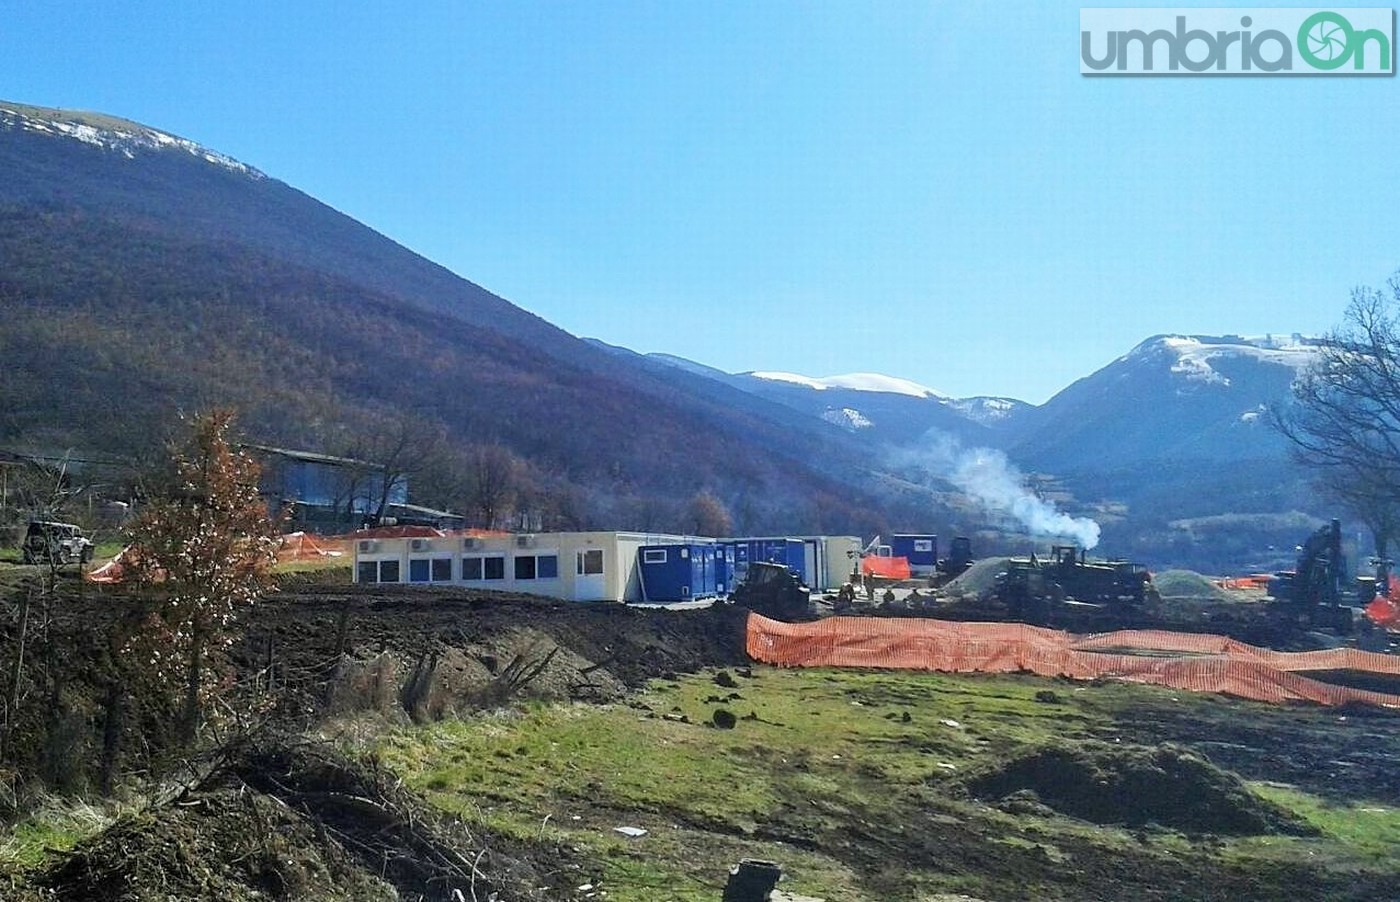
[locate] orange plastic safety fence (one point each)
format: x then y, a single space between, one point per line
1206 663
296 546
301 546
110 572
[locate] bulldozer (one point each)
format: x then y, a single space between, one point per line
774 591
1039 591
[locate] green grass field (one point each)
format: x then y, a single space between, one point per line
832 774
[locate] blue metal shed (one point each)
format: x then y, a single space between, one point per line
791 553
920 550
682 572
724 567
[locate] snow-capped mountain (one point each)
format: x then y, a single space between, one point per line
1175 438
1173 397
994 412
127 139
878 408
869 382
1190 356
1170 445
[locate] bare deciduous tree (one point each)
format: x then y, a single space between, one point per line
46 490
494 475
706 515
1343 420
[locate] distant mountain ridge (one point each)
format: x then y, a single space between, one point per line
142 274
110 133
1171 397
1158 445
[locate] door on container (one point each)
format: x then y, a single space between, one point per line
590 582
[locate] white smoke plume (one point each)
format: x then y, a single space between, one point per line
985 475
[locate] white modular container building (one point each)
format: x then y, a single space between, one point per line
575 566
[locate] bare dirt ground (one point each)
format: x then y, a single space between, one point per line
276 816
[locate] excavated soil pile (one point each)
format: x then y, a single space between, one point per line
977 580
1134 785
295 820
226 845
390 832
475 643
1188 585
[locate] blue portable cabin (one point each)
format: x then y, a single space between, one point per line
679 572
920 550
724 568
791 553
737 560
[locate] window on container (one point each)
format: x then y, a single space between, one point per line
654 556
369 572
590 562
418 571
442 569
525 567
471 569
548 566
388 571
494 567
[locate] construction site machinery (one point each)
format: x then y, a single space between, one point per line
774 591
1033 589
1316 593
959 558
50 542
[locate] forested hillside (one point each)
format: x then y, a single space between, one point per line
142 279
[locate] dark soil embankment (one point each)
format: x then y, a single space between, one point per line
287 819
458 649
225 844
1133 785
389 832
304 655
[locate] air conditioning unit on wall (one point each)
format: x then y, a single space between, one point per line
524 541
368 546
471 542
420 545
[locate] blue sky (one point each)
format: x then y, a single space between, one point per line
927 190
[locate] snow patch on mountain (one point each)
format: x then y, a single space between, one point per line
987 410
128 140
1253 415
847 418
1191 355
873 382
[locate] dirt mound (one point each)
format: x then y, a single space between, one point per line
1187 584
293 819
390 832
1134 785
979 579
218 845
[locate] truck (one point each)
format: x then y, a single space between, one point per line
51 542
